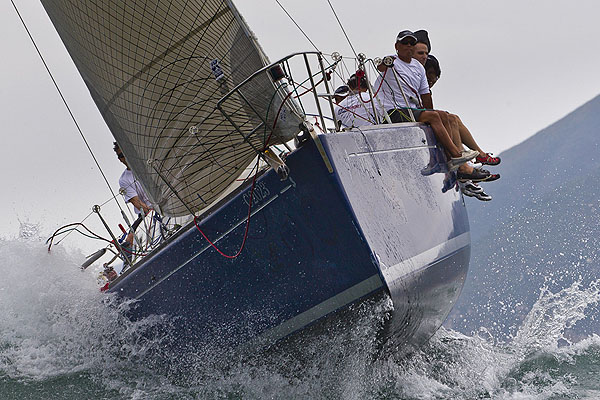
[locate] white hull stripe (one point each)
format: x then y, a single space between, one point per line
320 310
363 288
368 153
424 259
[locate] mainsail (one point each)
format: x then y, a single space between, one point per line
156 70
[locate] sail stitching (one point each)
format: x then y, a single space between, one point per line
160 58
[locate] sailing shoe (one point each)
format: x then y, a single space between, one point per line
487 159
472 190
431 169
449 182
465 156
478 175
472 187
483 196
491 177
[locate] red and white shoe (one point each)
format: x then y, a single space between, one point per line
487 159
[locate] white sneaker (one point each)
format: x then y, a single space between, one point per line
473 187
465 156
479 195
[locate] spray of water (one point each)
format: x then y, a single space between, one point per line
60 335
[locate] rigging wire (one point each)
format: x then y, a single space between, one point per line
295 23
87 216
64 101
343 30
266 145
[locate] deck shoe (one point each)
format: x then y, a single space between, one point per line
472 187
483 196
465 156
478 194
431 169
477 175
449 182
487 159
491 177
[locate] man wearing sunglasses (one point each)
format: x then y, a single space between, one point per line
405 95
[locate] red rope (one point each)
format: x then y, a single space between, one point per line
245 231
378 89
251 195
381 83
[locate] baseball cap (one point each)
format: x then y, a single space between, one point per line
342 91
404 34
423 37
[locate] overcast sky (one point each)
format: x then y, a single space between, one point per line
510 68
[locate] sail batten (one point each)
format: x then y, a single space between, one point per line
156 70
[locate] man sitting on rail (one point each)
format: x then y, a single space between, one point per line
405 95
469 188
433 72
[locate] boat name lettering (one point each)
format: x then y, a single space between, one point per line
261 191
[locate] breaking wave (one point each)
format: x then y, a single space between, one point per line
61 338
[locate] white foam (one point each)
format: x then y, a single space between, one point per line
55 322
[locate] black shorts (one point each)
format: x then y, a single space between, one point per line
137 222
402 114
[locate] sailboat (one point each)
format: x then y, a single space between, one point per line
332 220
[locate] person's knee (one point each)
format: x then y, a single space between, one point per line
454 120
443 114
430 117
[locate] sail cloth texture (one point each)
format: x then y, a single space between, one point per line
156 70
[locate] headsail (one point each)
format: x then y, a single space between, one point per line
156 70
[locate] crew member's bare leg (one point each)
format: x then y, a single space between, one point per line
433 119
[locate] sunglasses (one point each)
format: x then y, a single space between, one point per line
408 42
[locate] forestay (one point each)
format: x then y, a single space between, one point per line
156 70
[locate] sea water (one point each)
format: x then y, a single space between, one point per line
60 338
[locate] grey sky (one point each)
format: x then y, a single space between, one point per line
510 68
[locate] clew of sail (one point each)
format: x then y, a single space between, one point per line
156 70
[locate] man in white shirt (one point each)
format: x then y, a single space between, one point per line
405 93
356 109
133 194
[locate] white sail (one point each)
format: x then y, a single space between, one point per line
156 70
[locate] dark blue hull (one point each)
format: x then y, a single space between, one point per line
317 243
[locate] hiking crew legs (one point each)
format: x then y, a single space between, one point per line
465 135
439 130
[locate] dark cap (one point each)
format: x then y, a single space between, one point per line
342 91
434 64
404 34
423 37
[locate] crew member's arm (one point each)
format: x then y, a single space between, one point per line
427 101
140 205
